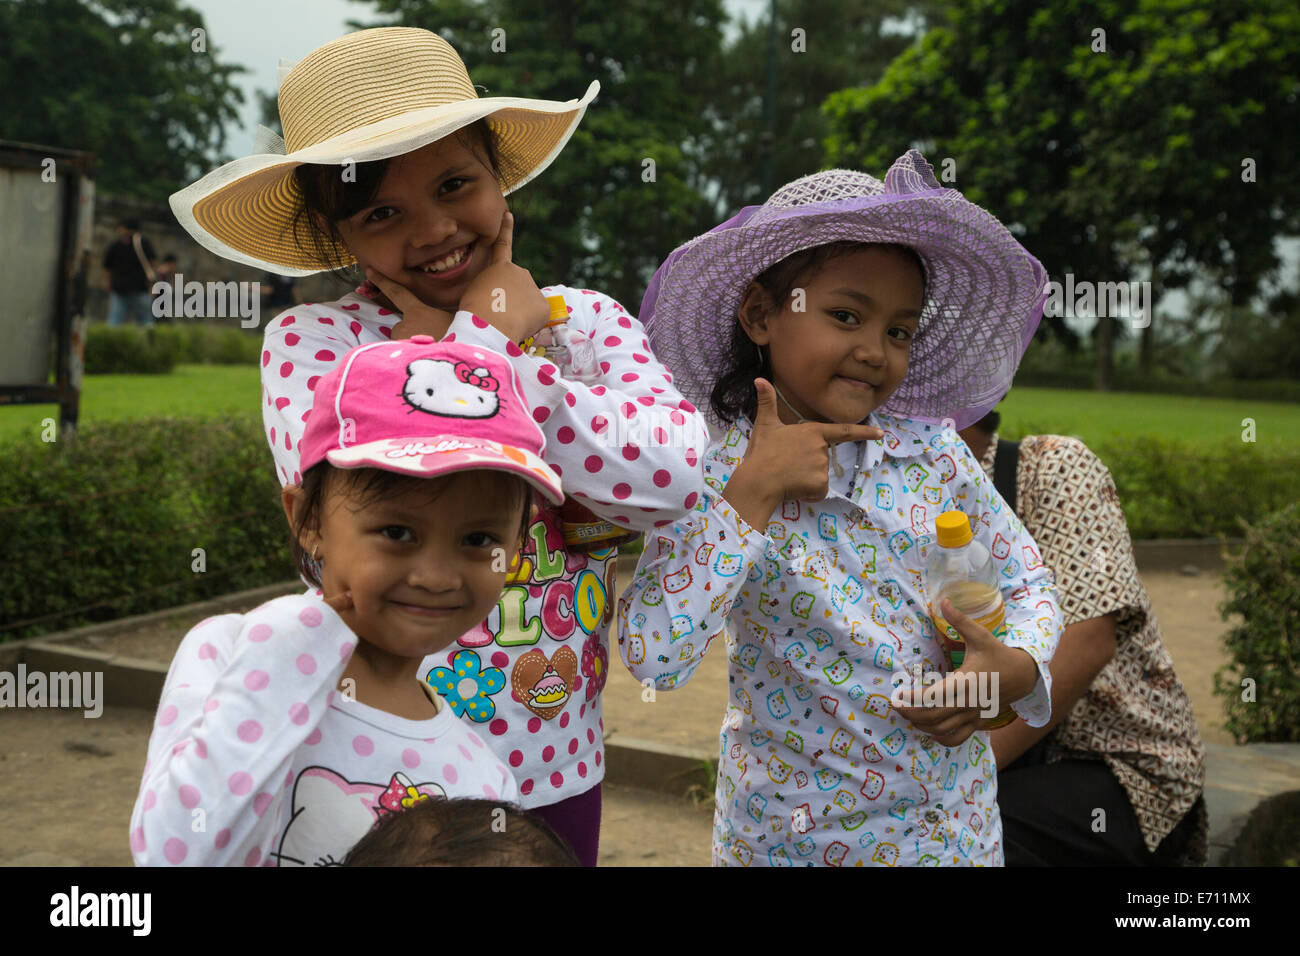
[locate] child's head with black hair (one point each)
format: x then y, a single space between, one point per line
461 832
341 207
815 322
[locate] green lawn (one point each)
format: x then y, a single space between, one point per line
1098 417
214 390
191 391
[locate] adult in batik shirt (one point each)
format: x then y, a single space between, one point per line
1122 738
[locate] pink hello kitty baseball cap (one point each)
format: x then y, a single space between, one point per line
426 408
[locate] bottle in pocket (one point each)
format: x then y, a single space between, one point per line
961 569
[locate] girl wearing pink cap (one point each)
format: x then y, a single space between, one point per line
391 162
284 734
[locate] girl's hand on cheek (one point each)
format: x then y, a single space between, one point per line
417 318
344 607
505 294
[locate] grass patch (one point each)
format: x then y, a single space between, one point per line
191 391
1102 417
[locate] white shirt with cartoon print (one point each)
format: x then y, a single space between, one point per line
256 760
819 613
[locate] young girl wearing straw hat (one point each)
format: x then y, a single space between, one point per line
392 163
828 331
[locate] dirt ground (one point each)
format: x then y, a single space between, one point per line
691 716
67 784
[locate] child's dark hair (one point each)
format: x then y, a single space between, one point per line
364 486
989 423
327 197
461 832
734 393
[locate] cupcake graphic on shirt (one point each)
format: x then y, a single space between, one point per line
550 691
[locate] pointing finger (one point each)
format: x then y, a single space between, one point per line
835 434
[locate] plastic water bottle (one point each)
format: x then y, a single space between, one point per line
575 356
961 569
570 350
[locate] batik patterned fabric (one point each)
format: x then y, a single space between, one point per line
820 612
1136 715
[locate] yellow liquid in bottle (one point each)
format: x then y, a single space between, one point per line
983 604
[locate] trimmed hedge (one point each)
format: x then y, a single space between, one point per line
1171 490
114 350
106 527
1263 586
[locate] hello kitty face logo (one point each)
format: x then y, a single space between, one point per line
330 814
451 389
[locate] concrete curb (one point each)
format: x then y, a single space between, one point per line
1237 779
1174 554
659 767
11 651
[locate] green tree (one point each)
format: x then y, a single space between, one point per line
626 189
1123 138
817 48
122 79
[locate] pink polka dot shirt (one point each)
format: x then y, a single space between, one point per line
628 448
257 760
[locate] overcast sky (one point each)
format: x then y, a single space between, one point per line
257 33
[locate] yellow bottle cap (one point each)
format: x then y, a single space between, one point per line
952 529
559 311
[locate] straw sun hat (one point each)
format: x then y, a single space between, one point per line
369 95
984 291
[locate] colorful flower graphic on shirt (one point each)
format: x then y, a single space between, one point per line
595 665
467 687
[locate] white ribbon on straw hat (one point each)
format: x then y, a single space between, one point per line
370 95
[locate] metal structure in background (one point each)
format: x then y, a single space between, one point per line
47 202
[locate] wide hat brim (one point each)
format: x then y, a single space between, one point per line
245 211
984 291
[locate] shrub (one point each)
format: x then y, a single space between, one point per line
1271 834
127 349
1263 586
1172 490
106 527
158 350
1047 364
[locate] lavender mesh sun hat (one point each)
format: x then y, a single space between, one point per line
984 291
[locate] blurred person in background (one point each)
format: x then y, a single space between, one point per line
1122 737
129 264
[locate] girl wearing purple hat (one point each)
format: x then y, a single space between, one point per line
829 332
